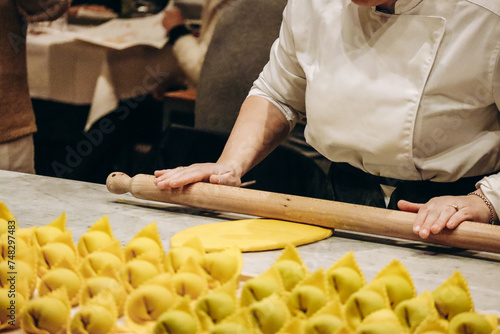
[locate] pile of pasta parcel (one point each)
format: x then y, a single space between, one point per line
97 286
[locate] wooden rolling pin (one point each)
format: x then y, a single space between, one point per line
330 214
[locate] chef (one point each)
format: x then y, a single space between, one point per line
402 96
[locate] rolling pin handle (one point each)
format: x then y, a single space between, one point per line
330 214
118 183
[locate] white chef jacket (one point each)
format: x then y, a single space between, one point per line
412 95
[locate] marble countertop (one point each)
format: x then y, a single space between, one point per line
37 200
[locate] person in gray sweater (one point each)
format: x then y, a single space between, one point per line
17 119
189 48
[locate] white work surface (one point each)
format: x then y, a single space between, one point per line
37 200
64 68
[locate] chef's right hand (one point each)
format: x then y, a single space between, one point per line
216 173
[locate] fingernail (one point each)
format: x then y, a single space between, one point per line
416 228
424 233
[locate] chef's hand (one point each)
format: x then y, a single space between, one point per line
216 173
446 212
172 17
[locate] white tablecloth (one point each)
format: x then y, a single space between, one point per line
65 69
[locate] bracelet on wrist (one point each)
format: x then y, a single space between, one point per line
177 32
488 203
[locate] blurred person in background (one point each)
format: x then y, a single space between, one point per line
189 47
17 119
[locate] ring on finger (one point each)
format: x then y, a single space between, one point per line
454 207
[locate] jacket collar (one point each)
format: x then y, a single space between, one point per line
404 6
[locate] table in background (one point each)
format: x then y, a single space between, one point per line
37 200
64 69
75 84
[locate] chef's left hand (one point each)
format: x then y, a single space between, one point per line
446 212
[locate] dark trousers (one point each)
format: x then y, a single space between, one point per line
351 185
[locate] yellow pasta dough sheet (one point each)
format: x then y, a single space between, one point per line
251 235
